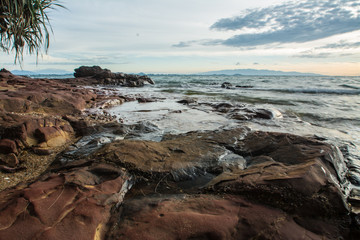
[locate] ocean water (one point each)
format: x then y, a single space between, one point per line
324 107
328 107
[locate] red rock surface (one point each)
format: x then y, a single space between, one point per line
24 95
205 217
31 130
173 153
74 204
285 169
31 108
8 146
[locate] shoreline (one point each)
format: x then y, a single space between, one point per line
182 176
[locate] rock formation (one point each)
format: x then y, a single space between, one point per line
70 175
97 75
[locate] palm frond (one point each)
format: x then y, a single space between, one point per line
24 24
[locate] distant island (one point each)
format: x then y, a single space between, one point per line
257 72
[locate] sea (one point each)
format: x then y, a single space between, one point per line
324 107
328 107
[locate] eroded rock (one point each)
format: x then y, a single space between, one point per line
288 172
208 217
75 204
97 75
8 146
10 160
27 95
179 155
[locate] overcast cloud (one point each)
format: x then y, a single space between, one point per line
292 22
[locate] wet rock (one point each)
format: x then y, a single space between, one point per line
75 204
145 100
8 146
179 155
187 101
245 113
226 85
223 107
267 113
294 174
137 81
207 217
111 103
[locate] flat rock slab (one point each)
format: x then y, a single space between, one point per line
175 154
207 217
24 95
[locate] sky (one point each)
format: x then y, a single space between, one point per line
192 36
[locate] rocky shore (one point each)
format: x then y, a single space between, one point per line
68 172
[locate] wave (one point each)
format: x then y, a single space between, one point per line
316 91
349 86
321 118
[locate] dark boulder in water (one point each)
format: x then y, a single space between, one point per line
242 112
244 86
85 71
187 101
97 75
226 85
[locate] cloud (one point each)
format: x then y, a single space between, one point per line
203 42
315 54
183 44
292 22
311 54
342 45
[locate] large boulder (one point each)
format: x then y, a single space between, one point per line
85 71
52 136
299 175
97 75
